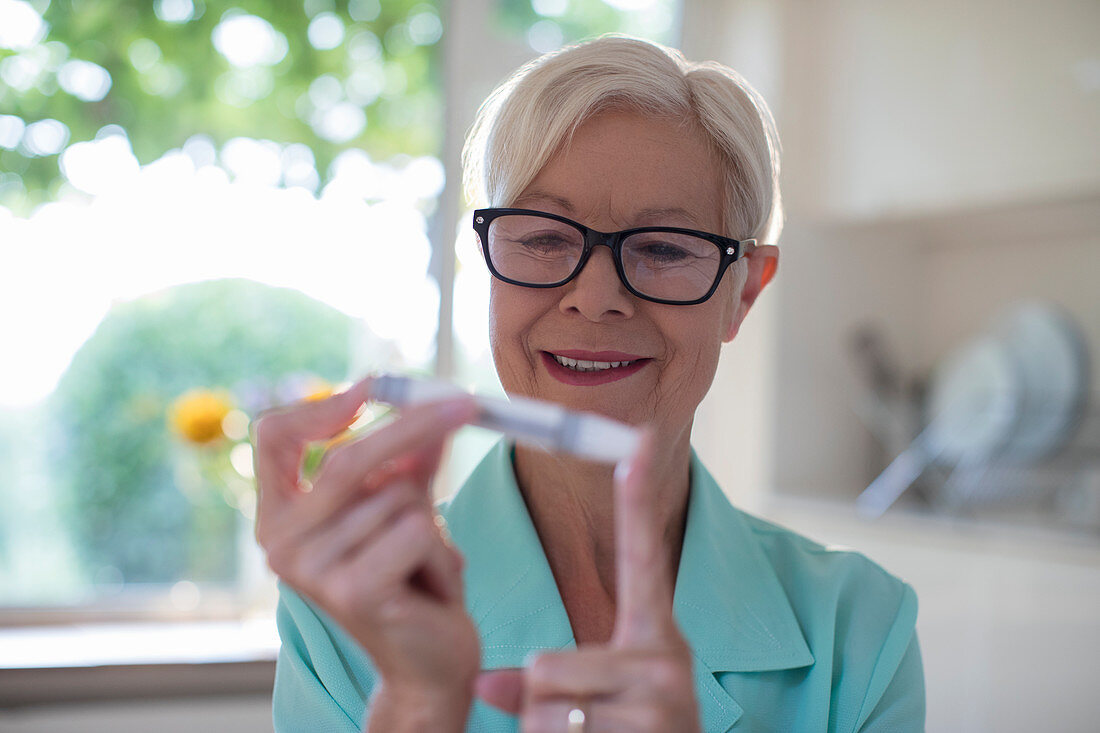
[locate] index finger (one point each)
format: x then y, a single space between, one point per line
643 576
280 437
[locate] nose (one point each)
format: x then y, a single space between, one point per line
596 292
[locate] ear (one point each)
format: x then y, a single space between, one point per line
763 261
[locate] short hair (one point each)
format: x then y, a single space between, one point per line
529 117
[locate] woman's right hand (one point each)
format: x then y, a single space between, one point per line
362 543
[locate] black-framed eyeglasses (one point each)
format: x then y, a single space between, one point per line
662 264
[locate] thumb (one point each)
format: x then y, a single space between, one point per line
502 688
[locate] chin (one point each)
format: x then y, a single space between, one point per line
629 409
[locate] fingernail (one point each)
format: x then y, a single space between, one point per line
629 464
345 390
622 469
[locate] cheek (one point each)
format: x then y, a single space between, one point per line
512 314
495 325
727 297
501 329
698 339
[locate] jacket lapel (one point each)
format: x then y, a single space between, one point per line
729 602
510 591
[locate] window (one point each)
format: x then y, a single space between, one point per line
205 211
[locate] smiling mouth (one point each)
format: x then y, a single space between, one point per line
581 365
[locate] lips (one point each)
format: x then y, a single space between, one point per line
587 368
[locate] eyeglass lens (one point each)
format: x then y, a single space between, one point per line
666 265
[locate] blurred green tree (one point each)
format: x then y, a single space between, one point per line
120 497
331 75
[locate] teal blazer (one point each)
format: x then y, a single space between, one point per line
787 635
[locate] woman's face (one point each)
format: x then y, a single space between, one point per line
621 170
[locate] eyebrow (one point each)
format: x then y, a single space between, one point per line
549 198
652 214
671 212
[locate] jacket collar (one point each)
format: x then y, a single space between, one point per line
728 601
511 593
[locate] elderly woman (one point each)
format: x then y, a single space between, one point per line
632 188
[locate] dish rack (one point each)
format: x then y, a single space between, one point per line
1004 425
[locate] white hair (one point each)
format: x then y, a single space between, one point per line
529 117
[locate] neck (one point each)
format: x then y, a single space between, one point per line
572 505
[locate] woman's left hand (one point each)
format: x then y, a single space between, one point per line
642 679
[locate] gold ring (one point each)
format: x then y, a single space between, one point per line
576 720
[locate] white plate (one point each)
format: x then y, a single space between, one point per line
973 403
1052 358
1015 394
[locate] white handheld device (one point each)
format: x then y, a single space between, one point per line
543 425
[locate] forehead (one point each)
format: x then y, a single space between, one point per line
623 169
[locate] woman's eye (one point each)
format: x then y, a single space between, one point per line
544 242
664 252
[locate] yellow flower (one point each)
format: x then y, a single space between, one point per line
198 413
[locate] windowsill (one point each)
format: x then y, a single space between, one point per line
136 660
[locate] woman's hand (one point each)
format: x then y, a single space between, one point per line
642 680
363 544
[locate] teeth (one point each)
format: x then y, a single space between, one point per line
581 365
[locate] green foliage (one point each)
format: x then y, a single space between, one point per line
583 19
577 20
115 453
168 81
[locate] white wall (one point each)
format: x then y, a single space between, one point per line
905 107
